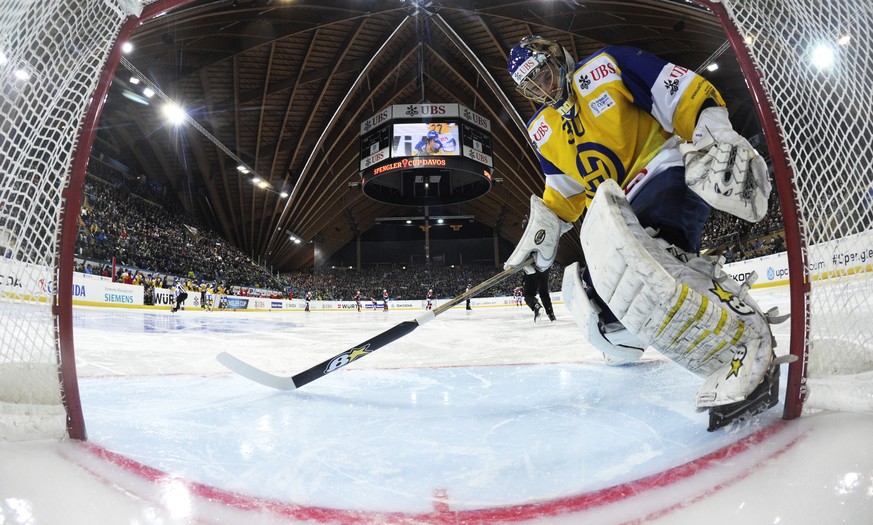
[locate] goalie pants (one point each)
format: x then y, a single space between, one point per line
668 205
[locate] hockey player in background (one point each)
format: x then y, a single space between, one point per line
202 296
307 298
179 294
538 283
384 300
428 145
429 300
519 295
358 299
639 149
207 298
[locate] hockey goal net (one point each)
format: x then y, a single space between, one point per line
809 66
57 58
53 77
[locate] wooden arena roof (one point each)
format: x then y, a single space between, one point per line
285 84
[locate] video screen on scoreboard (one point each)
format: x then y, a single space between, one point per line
425 139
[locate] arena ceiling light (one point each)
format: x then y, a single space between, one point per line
152 89
174 113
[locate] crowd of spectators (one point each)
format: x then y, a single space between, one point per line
726 232
409 282
138 233
121 220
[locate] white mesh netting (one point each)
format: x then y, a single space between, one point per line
816 60
51 55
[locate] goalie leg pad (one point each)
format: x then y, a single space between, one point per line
697 319
618 345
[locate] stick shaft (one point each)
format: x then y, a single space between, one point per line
396 332
356 352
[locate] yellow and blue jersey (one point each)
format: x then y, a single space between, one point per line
628 103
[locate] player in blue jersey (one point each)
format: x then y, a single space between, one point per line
638 149
428 145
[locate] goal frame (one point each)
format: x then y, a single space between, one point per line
72 195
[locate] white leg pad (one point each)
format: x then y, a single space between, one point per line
693 313
618 345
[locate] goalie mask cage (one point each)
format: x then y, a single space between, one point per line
57 60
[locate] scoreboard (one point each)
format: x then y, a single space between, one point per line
424 154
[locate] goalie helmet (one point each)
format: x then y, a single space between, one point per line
541 70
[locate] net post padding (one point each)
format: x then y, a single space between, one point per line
834 381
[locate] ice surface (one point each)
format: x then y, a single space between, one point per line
476 417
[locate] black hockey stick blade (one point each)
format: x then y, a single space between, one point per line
358 351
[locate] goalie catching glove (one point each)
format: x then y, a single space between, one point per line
540 238
723 168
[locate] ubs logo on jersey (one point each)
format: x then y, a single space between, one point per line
674 78
594 73
540 131
678 71
672 86
596 163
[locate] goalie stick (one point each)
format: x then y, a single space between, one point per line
356 352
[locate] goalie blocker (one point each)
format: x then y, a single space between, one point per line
687 308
